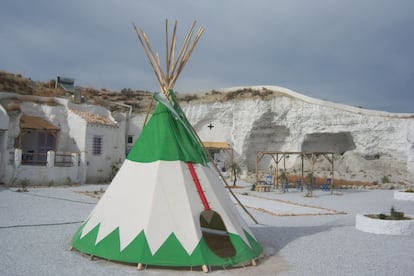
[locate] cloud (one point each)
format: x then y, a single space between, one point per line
353 52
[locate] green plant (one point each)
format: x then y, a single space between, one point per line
382 216
114 169
395 215
23 185
282 177
385 179
309 178
409 190
234 167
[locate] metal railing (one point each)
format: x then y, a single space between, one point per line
34 159
62 159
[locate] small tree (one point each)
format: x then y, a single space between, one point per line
235 171
385 179
282 177
309 180
233 164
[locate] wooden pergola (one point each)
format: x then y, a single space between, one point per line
221 146
280 156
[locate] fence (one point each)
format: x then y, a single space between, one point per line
50 159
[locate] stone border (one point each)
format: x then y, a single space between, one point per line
401 195
387 227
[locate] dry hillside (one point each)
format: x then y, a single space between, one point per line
139 100
19 84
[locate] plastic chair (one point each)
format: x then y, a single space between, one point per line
326 186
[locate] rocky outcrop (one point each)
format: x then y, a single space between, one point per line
368 145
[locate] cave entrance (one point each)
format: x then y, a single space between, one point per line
215 234
338 142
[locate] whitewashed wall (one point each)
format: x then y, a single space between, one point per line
136 122
77 132
75 136
99 167
43 175
4 125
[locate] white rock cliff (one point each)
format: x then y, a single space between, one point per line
369 145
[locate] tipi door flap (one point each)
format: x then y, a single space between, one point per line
215 234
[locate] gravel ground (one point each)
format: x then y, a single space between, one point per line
36 229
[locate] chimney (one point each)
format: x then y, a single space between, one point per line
77 96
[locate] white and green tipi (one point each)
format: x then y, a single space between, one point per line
167 205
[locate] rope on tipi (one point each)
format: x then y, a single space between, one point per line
174 65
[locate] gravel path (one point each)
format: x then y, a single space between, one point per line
36 228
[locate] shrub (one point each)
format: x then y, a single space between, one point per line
395 215
189 98
23 185
382 216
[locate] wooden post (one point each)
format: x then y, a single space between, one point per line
303 180
332 180
274 176
232 160
257 170
274 171
277 171
331 160
284 171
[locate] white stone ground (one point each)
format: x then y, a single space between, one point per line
300 235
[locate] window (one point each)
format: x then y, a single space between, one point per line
130 139
45 142
97 145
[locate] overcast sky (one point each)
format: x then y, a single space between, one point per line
356 52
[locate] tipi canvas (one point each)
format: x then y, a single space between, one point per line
167 206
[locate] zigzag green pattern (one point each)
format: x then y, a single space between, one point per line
171 253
